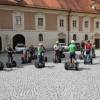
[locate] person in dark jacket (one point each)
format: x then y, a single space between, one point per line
82 47
31 50
10 51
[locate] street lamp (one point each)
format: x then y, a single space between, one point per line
69 11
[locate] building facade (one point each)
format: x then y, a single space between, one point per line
31 25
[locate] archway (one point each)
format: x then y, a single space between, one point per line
0 44
18 39
97 40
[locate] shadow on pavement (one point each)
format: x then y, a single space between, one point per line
49 67
81 69
8 70
96 64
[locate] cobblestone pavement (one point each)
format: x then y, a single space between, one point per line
25 82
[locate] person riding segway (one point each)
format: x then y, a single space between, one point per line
61 51
82 46
32 52
25 57
10 52
88 57
57 53
40 62
71 63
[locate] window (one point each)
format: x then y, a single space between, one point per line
18 20
40 37
74 37
62 23
86 37
74 23
40 21
97 24
86 23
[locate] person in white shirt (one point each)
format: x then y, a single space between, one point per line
56 49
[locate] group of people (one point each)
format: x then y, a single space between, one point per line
57 48
88 47
31 50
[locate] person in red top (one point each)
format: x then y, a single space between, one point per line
88 47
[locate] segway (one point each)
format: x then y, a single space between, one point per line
11 64
45 58
40 64
82 56
62 54
25 60
75 65
93 55
58 57
1 66
33 57
88 58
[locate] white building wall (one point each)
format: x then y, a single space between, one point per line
49 37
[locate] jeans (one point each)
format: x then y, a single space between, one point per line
40 58
10 57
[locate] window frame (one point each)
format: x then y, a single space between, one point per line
40 21
61 22
86 25
18 20
97 25
74 37
74 23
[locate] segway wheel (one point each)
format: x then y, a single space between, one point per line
22 60
29 59
66 66
14 63
77 66
46 59
59 60
93 56
36 65
1 66
35 56
54 60
8 65
43 64
91 61
63 55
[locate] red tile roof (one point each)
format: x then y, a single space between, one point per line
75 5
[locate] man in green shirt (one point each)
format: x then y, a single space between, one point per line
72 49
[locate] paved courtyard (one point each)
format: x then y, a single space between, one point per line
25 82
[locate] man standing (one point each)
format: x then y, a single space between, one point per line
56 49
82 46
31 50
9 52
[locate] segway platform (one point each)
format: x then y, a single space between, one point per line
88 60
71 66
